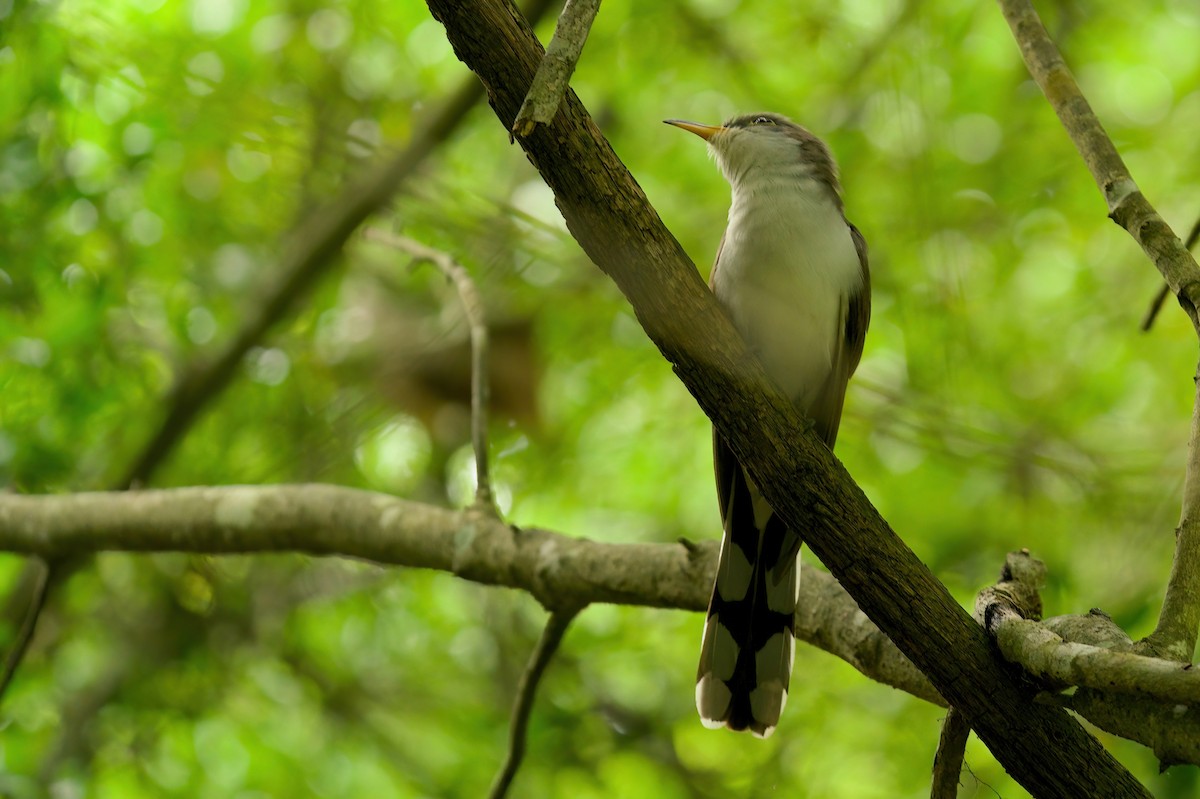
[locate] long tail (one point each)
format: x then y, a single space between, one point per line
746 655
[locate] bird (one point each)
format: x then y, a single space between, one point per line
791 273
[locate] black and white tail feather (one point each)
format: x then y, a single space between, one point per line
748 647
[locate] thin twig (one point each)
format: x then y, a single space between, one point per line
1161 297
552 635
554 73
1127 206
1156 305
948 762
472 304
21 644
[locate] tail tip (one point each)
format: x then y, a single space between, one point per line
716 706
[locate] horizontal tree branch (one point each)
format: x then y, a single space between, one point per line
1169 729
1060 663
308 252
562 572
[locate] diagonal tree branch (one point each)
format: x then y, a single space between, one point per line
1175 635
1042 747
1127 205
829 619
1161 297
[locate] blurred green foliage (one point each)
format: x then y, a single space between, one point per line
155 155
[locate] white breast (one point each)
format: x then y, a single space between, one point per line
787 265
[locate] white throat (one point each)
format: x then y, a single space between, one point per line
786 269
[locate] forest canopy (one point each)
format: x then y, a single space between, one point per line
193 298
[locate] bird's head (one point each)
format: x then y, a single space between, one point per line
764 144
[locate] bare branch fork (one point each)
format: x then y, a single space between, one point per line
472 304
1179 621
1060 662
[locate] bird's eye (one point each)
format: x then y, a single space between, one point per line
763 121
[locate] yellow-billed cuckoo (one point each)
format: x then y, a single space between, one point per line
791 272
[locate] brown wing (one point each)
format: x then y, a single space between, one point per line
716 261
858 312
724 463
826 411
